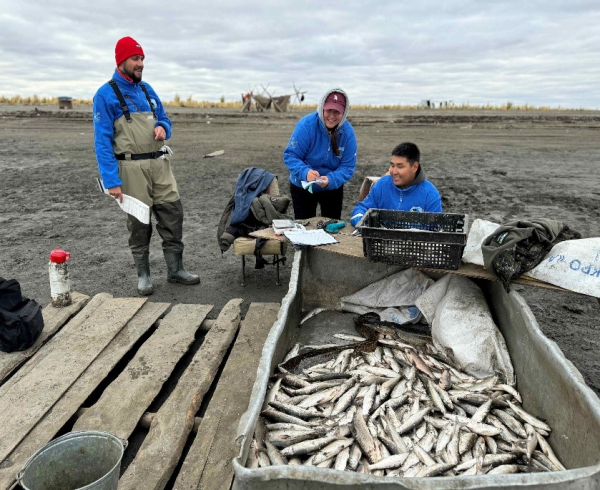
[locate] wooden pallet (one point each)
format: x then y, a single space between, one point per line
103 362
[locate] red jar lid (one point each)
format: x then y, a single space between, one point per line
59 256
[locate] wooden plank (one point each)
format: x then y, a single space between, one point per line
54 319
69 403
161 450
352 246
208 462
126 399
24 403
74 323
146 420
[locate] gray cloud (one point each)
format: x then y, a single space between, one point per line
387 52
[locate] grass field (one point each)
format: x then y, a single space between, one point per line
179 102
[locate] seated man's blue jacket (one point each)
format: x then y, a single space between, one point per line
422 196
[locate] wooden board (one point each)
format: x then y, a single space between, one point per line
162 448
54 319
24 403
352 246
208 463
74 323
81 389
126 399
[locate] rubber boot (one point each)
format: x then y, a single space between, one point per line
142 264
175 270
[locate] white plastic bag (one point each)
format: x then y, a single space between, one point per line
393 297
462 323
573 265
480 229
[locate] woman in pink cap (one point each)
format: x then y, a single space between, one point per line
321 158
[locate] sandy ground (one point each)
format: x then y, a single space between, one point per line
493 165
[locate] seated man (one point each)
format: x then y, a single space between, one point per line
405 188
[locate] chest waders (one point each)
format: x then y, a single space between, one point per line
145 173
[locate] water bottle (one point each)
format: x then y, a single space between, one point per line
60 286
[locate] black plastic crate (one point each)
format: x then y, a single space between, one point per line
432 240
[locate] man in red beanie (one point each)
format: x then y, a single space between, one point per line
130 127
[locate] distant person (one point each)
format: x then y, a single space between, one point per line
130 127
405 188
322 149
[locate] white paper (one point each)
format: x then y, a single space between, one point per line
309 238
281 225
131 205
308 185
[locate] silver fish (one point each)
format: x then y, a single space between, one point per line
344 401
504 469
512 423
394 461
434 470
306 447
354 456
413 420
331 450
263 459
273 414
364 437
275 456
547 450
341 460
284 438
509 389
295 410
530 419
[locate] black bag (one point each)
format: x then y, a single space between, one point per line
21 320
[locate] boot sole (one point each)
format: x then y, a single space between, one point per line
187 283
145 292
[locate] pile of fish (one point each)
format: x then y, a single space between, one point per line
399 411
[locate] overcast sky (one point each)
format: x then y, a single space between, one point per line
543 53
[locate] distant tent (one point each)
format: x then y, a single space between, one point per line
264 102
280 104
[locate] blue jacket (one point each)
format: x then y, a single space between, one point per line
250 184
309 148
422 196
106 110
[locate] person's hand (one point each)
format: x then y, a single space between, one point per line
312 175
159 133
323 184
116 193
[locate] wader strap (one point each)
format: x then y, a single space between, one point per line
148 98
124 106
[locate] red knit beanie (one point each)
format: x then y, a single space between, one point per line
125 48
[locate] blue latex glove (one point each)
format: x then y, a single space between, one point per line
335 227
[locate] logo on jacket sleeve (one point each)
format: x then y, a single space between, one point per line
96 116
153 103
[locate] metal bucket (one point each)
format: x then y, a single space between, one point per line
76 461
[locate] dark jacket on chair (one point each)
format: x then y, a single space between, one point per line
260 211
250 184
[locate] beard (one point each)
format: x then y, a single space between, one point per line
132 75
